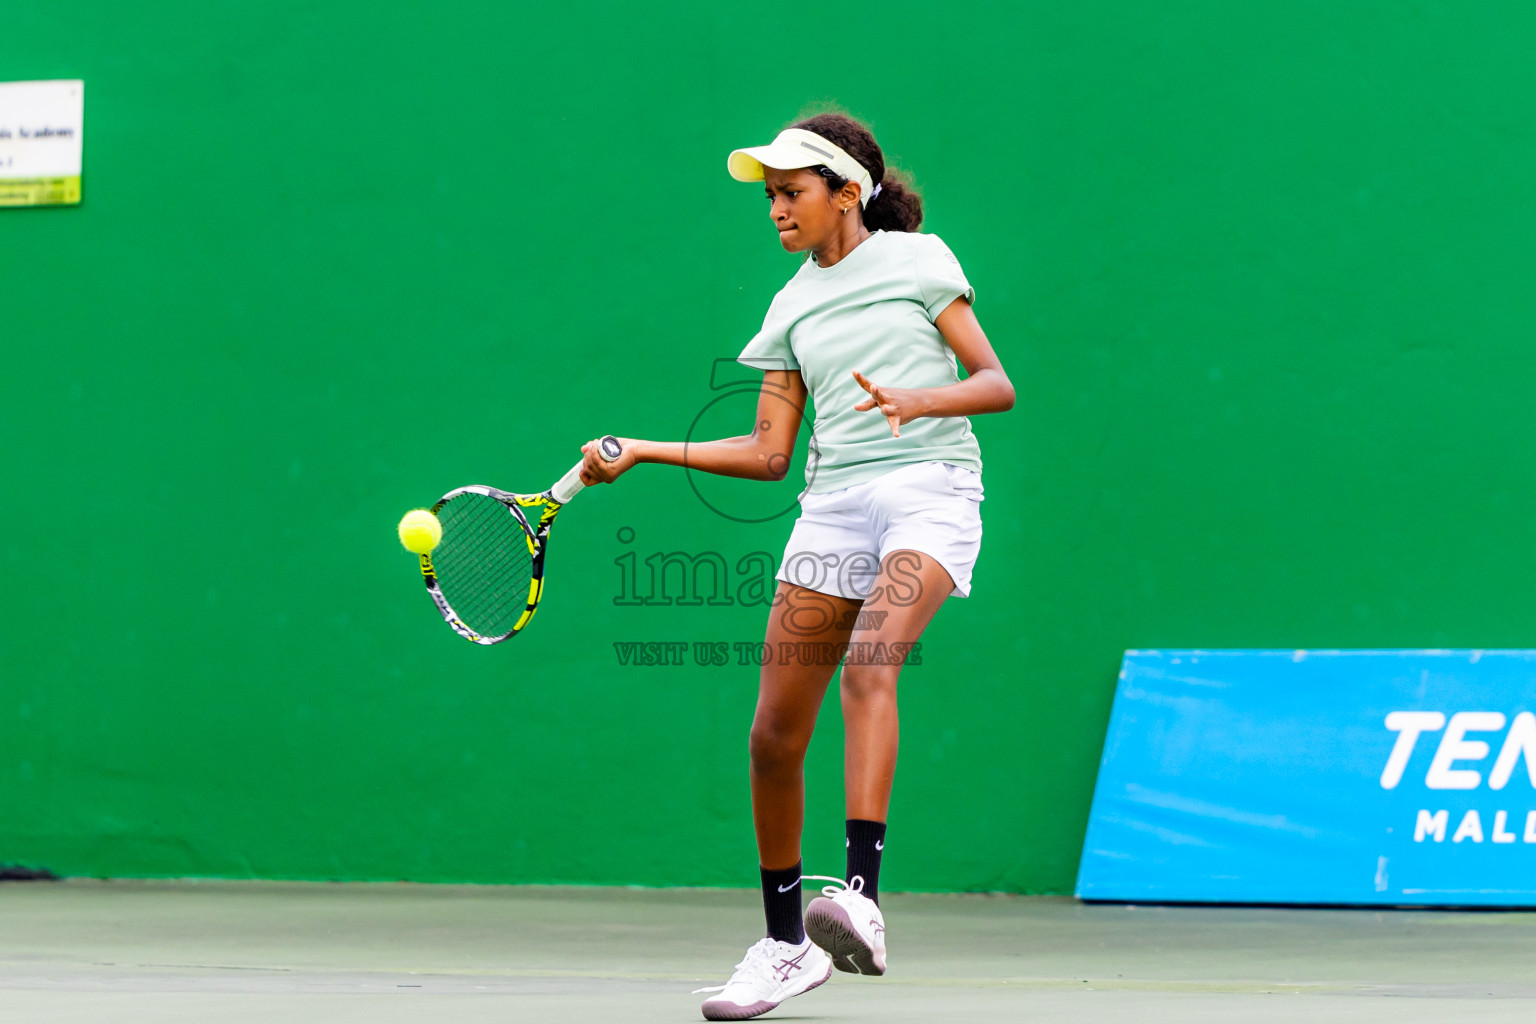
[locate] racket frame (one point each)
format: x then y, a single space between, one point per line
537 536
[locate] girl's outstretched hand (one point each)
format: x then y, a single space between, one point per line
897 405
597 470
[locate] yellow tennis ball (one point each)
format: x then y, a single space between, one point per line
420 531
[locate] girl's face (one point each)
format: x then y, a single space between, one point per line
805 212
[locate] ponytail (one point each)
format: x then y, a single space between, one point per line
897 206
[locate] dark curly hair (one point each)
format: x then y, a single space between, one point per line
898 207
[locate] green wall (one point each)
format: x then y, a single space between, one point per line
1261 273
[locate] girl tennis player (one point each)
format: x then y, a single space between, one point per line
870 327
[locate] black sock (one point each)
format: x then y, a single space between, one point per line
865 841
781 904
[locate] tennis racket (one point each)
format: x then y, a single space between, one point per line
486 574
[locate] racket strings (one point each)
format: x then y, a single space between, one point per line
483 564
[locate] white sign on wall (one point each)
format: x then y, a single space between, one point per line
42 134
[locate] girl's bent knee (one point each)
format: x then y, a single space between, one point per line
864 682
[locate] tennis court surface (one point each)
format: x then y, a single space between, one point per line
132 951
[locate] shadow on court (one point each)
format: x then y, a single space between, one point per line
233 952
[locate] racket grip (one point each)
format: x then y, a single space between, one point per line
570 485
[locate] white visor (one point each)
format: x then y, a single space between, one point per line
796 148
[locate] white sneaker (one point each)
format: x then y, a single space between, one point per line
849 926
771 972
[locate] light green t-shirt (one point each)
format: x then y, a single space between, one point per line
872 311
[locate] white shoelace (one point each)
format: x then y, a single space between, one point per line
853 885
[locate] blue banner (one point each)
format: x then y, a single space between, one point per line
1352 777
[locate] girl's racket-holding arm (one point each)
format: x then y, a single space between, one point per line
764 454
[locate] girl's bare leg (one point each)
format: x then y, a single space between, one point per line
806 631
907 592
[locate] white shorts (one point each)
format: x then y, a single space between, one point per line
841 537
